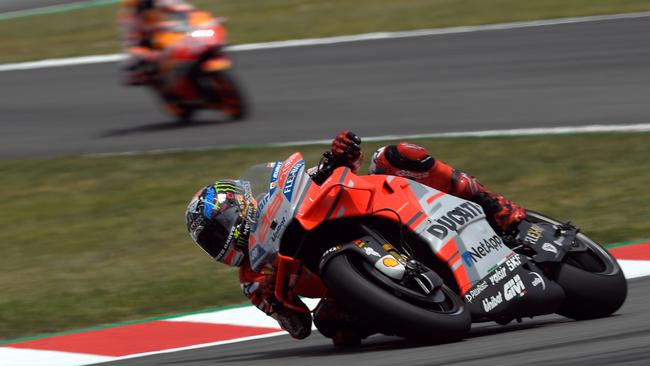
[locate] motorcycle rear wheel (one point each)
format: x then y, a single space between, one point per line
593 282
231 100
181 112
381 309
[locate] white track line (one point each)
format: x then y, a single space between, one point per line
29 357
339 39
624 128
58 62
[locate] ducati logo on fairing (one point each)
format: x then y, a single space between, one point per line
454 219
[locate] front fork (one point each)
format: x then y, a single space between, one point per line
396 269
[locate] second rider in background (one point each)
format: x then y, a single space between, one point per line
140 20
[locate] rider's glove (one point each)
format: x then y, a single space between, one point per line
346 147
296 323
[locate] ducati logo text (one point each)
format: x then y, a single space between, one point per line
454 219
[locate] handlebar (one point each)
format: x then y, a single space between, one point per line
326 167
329 161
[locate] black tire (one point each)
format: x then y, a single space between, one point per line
231 98
184 113
379 308
593 282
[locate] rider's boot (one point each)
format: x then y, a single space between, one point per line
335 322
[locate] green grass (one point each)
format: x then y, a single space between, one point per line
93 31
87 241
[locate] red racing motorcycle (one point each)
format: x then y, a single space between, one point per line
413 261
193 70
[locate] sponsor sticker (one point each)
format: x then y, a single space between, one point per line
370 251
514 288
273 183
390 262
287 190
262 205
492 302
498 275
454 219
257 253
538 280
549 248
475 291
485 247
533 234
278 228
513 262
332 250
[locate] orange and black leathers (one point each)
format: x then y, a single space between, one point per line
140 20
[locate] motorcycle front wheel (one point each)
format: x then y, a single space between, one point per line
593 282
382 309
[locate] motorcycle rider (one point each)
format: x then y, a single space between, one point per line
140 20
219 218
414 162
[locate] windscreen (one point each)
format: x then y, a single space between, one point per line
259 177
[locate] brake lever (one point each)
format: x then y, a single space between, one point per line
326 166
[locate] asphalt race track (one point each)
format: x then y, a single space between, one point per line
561 75
550 340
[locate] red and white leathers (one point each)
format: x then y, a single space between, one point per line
414 162
260 289
330 319
139 20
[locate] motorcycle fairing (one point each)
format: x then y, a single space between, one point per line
515 288
550 242
470 247
496 282
276 209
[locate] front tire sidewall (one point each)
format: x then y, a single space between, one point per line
392 315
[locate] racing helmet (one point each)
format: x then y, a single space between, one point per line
219 219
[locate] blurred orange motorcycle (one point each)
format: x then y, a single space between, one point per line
192 70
